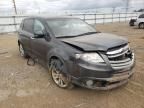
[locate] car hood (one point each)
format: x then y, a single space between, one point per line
95 42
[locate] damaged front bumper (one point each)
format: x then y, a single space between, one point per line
104 76
104 83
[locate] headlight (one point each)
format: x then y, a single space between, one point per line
90 57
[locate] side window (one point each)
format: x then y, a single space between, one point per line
38 27
28 25
141 16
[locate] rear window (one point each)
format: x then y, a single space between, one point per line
28 25
141 16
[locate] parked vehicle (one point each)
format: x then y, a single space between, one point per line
75 53
138 22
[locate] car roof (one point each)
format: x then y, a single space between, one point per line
52 17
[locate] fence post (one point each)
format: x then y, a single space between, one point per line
95 19
84 17
112 17
119 17
137 15
14 19
103 18
126 17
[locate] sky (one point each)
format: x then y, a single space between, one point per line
54 5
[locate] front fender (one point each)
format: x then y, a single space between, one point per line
62 55
58 53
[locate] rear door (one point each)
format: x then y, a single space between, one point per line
25 33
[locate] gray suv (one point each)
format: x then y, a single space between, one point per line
75 53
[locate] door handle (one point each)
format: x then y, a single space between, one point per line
32 38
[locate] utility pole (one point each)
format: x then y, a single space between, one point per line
38 6
127 5
143 4
14 6
113 9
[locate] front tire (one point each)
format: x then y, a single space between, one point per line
56 68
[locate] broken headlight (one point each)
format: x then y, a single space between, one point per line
90 57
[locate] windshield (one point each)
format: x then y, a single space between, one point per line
69 27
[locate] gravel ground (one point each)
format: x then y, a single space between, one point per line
23 86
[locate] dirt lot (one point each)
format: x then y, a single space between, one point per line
23 86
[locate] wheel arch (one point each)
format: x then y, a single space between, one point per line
56 57
60 55
19 43
140 24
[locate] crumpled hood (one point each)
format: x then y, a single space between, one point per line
95 42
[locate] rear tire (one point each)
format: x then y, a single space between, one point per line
141 26
56 68
22 51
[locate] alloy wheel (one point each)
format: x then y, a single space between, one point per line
57 75
22 53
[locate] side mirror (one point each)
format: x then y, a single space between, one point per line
47 37
39 34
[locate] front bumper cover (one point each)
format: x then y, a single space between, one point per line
106 83
101 76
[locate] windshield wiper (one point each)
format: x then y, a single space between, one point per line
66 36
87 33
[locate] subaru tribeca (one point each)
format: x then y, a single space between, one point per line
75 53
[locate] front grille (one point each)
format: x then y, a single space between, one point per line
120 57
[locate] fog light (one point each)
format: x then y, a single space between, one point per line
89 82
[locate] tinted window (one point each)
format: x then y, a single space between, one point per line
141 16
28 25
38 27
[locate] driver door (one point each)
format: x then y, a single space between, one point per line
39 45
